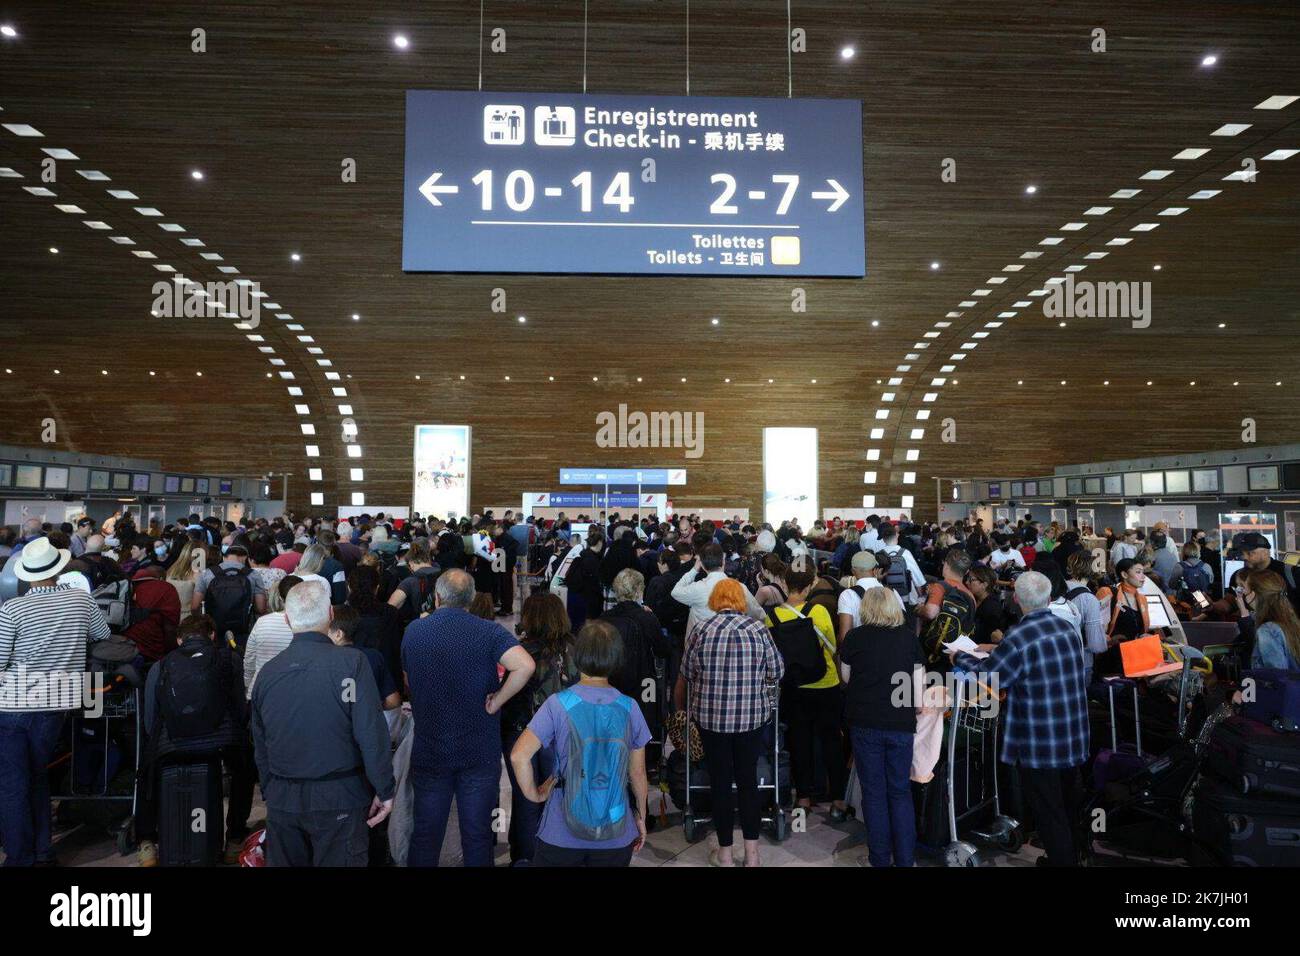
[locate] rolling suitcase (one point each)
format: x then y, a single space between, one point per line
191 827
1120 761
1252 757
1246 830
1276 698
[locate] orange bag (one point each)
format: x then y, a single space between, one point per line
1141 654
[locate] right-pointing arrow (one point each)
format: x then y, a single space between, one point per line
430 191
839 195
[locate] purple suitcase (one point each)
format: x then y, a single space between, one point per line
1120 761
1276 698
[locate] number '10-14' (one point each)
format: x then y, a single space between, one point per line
520 190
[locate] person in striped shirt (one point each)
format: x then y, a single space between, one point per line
43 640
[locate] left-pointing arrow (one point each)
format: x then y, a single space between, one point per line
430 191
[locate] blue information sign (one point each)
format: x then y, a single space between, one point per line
622 476
564 182
571 499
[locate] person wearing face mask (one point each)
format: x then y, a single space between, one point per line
1005 554
1267 622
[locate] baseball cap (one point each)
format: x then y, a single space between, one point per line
1251 540
864 561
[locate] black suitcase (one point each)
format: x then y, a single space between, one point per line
191 827
1246 831
1252 757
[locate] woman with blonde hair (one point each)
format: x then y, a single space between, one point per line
1277 629
733 669
871 656
183 574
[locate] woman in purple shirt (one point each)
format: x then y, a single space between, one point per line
598 653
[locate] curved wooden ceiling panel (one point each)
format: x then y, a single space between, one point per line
1014 96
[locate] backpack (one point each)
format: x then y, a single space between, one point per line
595 782
800 645
114 602
1195 578
897 575
228 600
956 617
192 702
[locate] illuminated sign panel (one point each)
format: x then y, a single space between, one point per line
565 183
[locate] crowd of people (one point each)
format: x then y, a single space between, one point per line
302 653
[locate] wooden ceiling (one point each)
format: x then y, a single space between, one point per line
1013 93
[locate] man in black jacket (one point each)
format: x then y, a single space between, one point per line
322 744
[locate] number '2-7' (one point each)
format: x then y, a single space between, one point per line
723 206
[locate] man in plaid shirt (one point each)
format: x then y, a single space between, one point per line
1040 665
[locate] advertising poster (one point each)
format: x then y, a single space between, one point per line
441 486
790 475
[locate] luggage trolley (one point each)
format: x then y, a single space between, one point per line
979 790
121 724
775 817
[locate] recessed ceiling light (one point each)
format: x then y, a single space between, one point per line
638 378
1231 129
1223 325
295 257
54 250
550 378
462 378
814 381
507 378
1062 325
417 378
1209 60
1156 267
1020 381
401 42
1205 194
1280 154
875 323
1030 190
199 374
934 265
103 371
1107 382
727 381
523 319
683 378
1156 174
1148 383
1191 153
8 31
769 381
1124 193
356 317
9 371
713 321
57 372
1236 383
1062 381
155 373
847 53
1277 383
196 173
595 378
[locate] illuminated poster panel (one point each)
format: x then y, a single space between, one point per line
790 476
441 486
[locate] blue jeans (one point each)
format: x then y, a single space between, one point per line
526 816
476 790
884 762
27 741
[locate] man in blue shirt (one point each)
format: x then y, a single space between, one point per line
450 661
1039 663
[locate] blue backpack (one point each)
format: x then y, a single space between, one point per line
595 783
1195 577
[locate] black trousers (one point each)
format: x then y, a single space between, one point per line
317 837
816 715
733 758
549 855
1055 798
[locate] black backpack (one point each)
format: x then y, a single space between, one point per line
193 703
800 646
956 617
228 600
897 575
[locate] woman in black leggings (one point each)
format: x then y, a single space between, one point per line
732 668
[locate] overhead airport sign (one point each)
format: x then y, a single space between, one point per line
622 476
567 183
